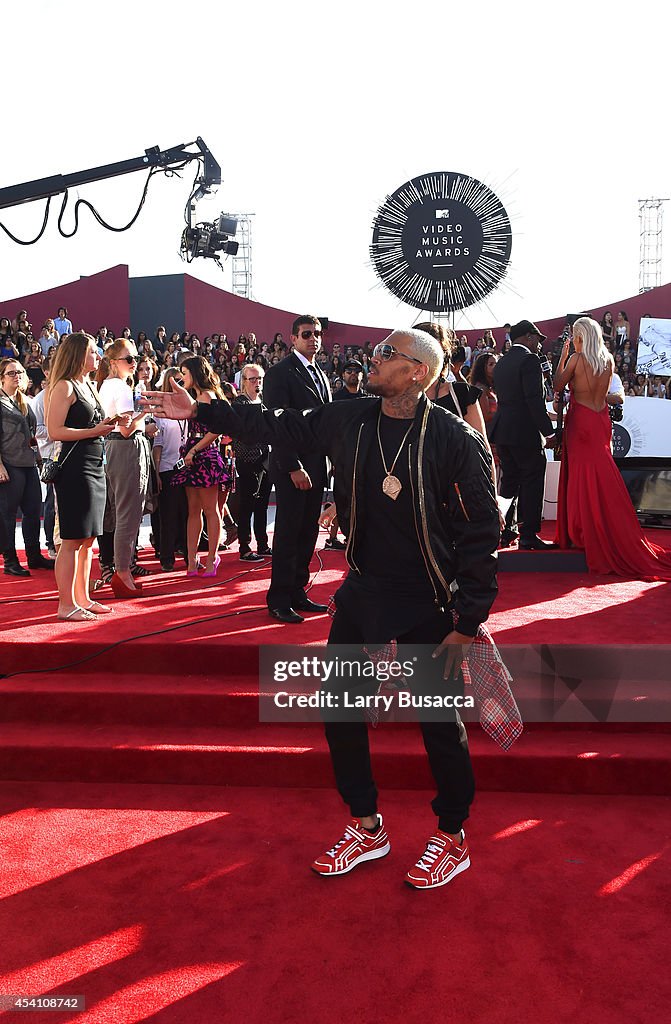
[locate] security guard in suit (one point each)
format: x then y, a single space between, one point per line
296 382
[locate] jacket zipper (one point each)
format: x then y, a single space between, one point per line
414 512
461 502
422 508
350 540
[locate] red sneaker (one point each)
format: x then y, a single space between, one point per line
442 861
356 846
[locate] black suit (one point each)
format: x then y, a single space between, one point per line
518 425
290 385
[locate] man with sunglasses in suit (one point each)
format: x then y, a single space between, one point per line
296 382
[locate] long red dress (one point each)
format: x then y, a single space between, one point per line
594 510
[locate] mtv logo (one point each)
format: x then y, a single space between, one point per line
442 214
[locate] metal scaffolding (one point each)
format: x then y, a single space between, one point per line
241 264
650 213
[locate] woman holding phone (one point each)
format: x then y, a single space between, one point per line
127 462
75 417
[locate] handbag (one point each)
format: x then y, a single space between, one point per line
52 467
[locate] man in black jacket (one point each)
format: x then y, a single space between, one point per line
519 425
296 382
414 492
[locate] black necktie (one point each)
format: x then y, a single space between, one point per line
318 381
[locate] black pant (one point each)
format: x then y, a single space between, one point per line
523 476
445 742
50 515
296 530
172 510
21 491
252 479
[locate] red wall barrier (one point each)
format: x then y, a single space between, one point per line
104 299
211 310
91 302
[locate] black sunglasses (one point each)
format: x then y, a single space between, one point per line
127 359
308 334
385 352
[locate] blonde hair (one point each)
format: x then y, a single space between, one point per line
250 366
427 349
593 348
19 396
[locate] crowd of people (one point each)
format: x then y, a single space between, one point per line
161 351
194 482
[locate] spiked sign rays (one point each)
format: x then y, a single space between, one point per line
441 242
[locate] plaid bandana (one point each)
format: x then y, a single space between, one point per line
483 669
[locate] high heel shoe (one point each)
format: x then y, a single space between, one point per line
121 589
209 575
194 572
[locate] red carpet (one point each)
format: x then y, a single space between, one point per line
177 905
563 608
187 896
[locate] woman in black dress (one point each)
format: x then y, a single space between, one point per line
75 417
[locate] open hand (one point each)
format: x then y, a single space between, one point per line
172 405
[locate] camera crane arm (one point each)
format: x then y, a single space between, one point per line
203 239
154 158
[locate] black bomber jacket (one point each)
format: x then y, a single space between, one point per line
455 507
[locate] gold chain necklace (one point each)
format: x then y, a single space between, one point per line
391 485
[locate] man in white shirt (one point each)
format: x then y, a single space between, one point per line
615 394
61 322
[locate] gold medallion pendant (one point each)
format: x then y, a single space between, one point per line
391 486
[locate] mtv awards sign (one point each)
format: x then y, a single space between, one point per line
441 242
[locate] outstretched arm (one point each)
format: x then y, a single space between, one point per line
306 431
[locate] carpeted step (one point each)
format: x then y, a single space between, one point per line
232 699
557 761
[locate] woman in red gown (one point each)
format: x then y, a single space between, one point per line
594 510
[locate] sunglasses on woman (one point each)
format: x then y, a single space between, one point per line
127 359
385 352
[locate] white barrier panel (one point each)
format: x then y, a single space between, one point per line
551 488
645 429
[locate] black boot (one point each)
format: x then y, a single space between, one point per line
36 560
12 566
